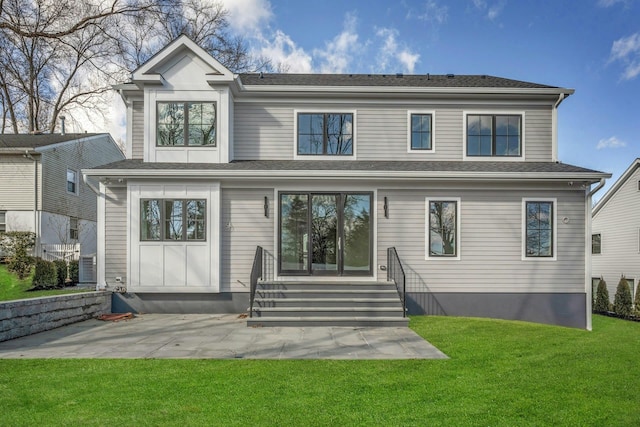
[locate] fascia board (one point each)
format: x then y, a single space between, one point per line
74 141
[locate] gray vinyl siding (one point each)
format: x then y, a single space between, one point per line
266 132
115 227
244 226
137 130
17 177
490 242
618 222
83 154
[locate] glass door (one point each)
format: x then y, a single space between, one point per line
325 234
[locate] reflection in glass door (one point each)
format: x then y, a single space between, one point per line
325 233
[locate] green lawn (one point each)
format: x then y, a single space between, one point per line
499 373
13 288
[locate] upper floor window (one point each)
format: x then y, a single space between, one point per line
443 228
596 243
494 135
72 181
73 228
3 221
420 135
325 134
162 219
186 123
539 233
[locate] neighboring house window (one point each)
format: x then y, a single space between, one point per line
539 234
186 123
325 134
596 243
421 125
494 135
162 219
443 228
72 181
3 221
73 228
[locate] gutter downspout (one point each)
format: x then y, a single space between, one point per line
554 130
28 155
587 252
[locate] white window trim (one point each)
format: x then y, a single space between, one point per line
494 158
433 131
297 156
71 218
66 182
427 252
554 250
601 246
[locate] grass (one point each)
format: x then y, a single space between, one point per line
499 373
12 288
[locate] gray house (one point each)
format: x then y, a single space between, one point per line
41 190
341 195
616 233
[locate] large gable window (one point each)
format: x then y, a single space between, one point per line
325 134
494 135
186 123
162 219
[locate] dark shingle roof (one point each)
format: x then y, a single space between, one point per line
349 165
41 140
399 80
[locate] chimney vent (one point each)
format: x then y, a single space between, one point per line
62 125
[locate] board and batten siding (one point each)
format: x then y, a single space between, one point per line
618 223
244 226
17 177
77 155
137 130
490 242
266 132
115 227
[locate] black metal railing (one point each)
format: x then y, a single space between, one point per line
256 273
395 273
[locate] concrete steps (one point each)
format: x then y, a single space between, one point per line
327 304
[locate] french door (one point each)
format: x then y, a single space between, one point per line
325 234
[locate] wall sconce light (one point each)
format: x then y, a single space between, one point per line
386 207
266 207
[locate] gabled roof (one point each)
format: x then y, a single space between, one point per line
616 186
349 168
26 141
148 72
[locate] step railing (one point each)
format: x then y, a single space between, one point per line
256 274
395 273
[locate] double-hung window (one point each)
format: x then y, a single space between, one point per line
3 221
186 123
170 219
493 135
420 135
72 181
325 134
539 229
73 228
596 243
443 234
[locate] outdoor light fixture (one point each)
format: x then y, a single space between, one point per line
266 206
386 207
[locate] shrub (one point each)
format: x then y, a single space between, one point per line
622 299
61 273
74 272
16 246
45 276
637 300
602 298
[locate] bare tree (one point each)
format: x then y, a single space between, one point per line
62 56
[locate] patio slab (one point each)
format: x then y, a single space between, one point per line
223 336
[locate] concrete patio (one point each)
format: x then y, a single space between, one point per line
224 336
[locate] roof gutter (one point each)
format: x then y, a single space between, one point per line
598 187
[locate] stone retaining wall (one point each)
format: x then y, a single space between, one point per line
29 316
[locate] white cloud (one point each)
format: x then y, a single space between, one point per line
248 16
609 3
627 51
492 10
390 52
285 55
611 142
434 13
338 53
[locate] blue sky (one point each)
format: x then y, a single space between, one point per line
592 46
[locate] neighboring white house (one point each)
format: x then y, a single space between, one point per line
615 234
325 172
41 190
